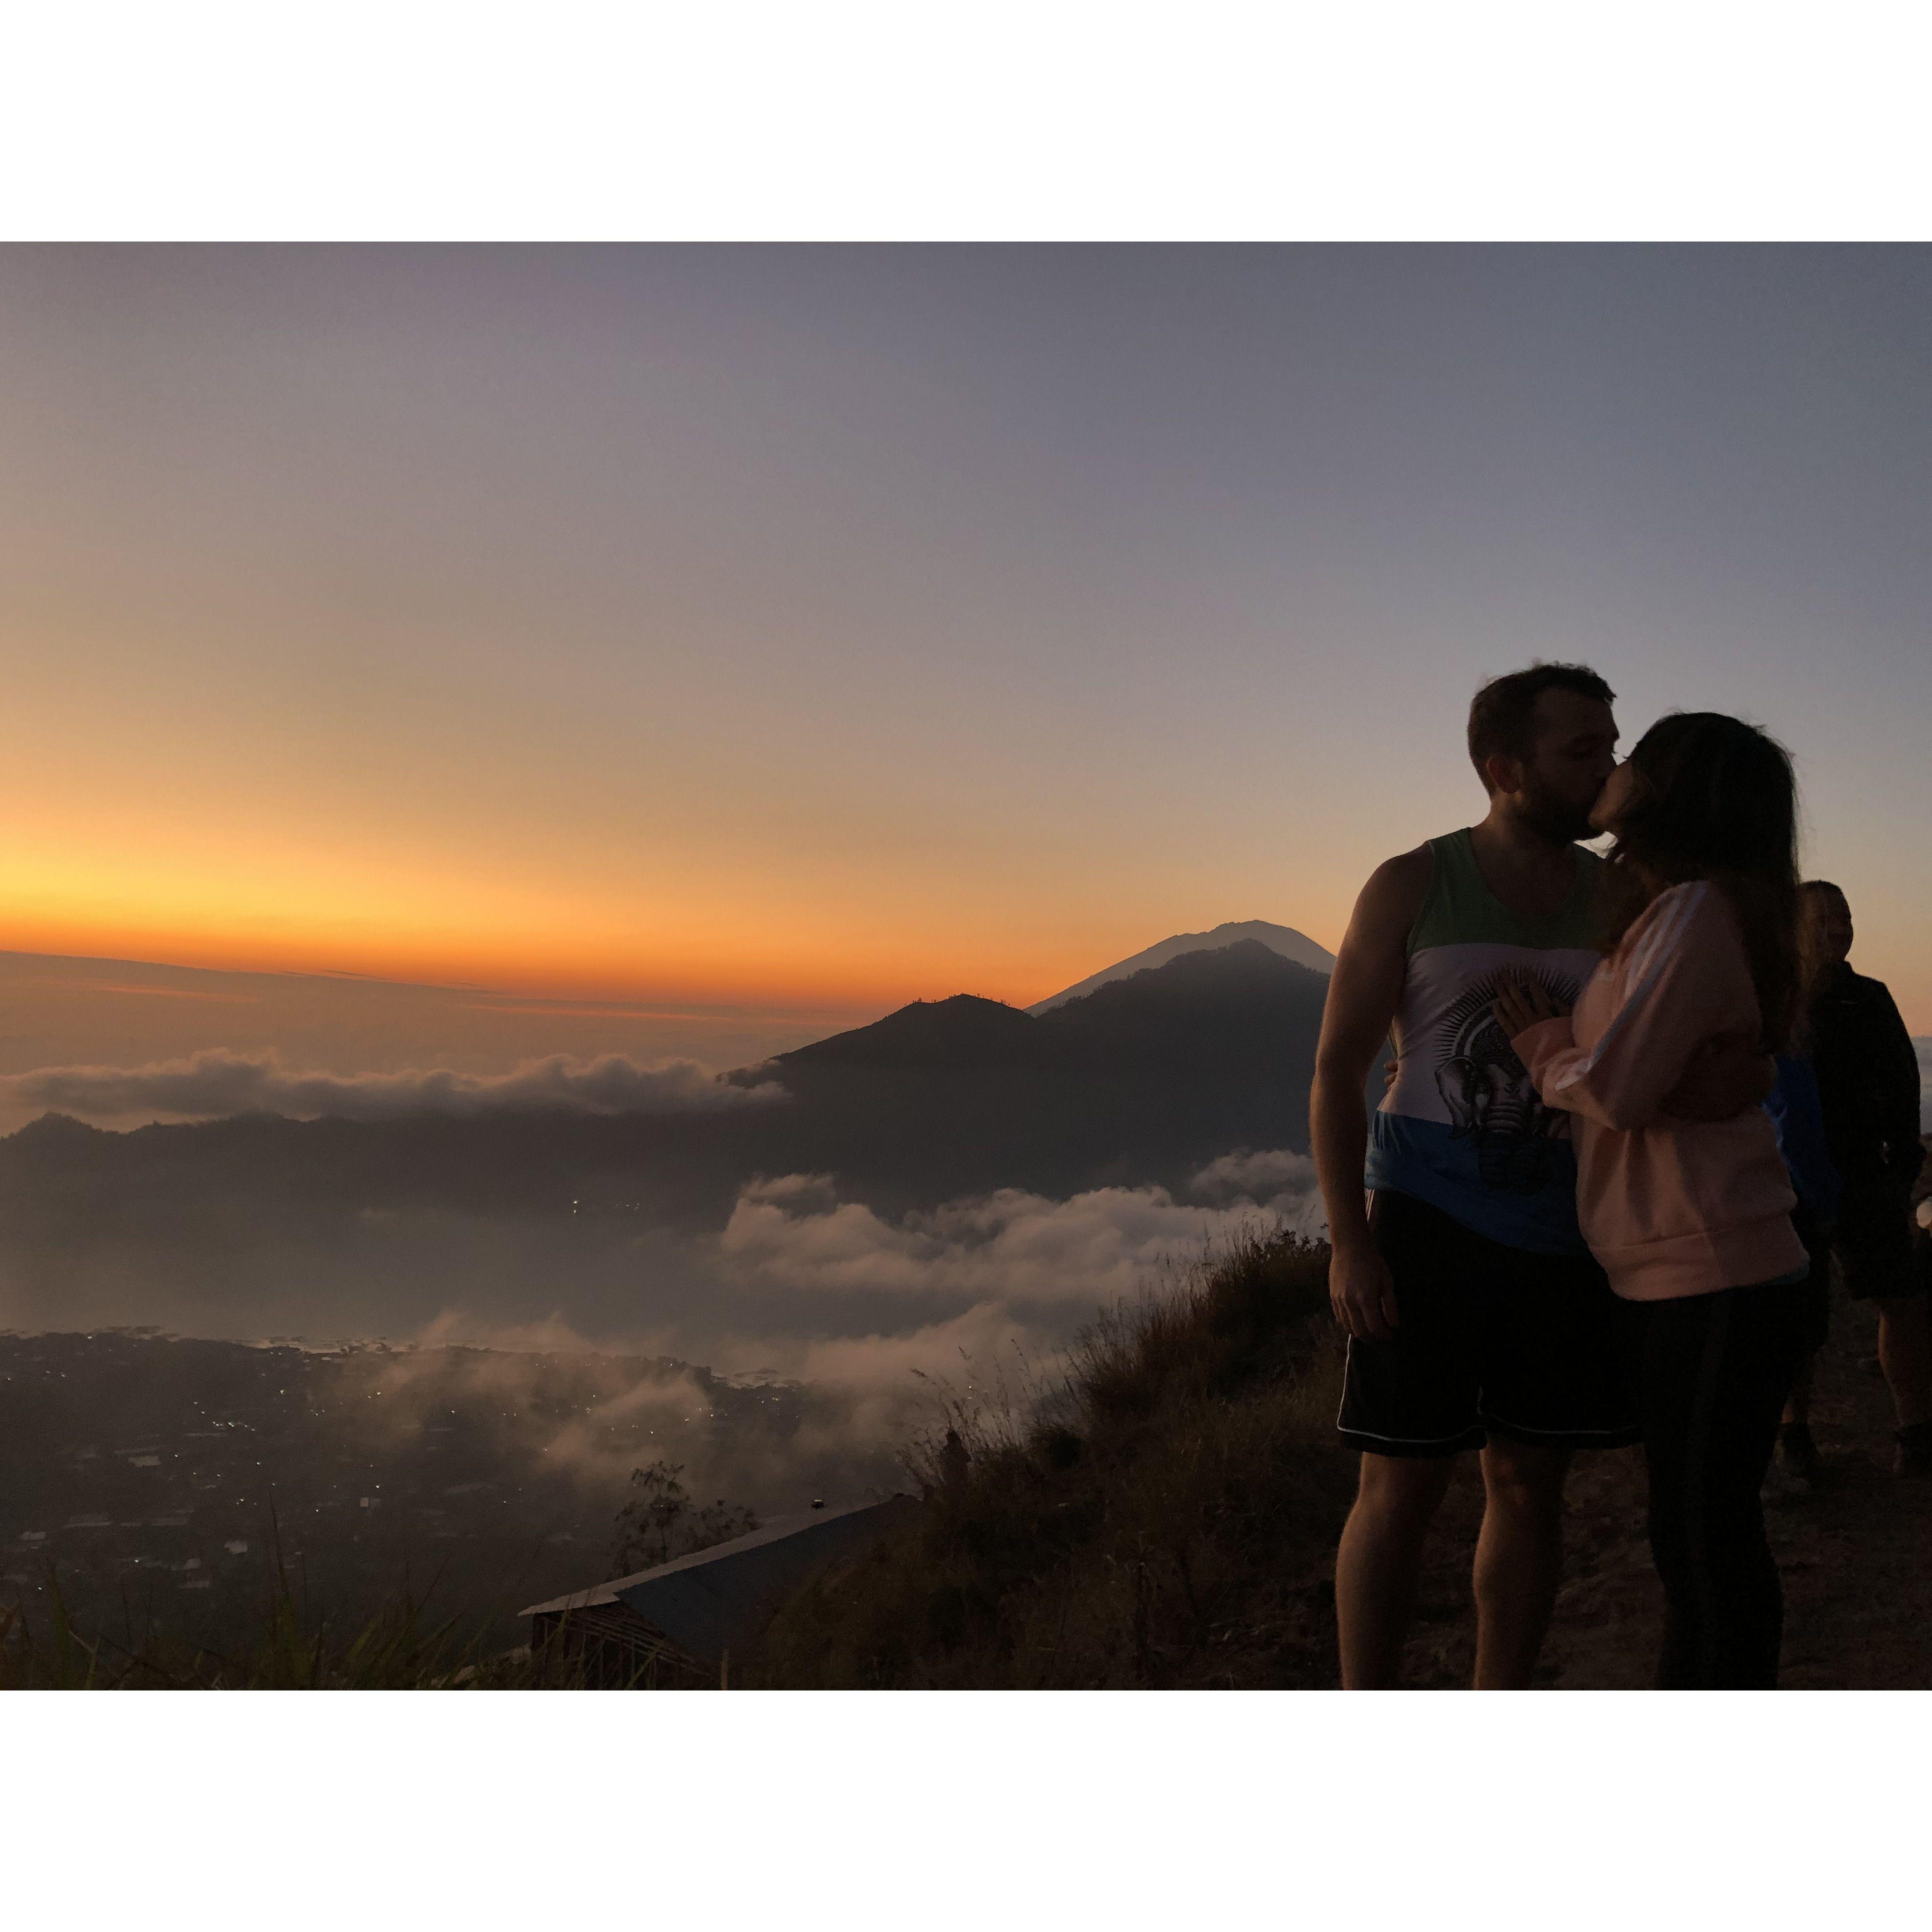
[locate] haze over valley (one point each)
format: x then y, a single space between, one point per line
586 1265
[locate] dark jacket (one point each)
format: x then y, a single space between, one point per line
1867 1073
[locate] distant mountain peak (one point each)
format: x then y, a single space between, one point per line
57 1130
964 1029
1284 940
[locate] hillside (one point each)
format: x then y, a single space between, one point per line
1170 1523
1165 1519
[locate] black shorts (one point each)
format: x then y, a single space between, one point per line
1489 1340
1873 1241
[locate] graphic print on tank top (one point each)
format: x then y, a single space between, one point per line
1462 1127
1491 1099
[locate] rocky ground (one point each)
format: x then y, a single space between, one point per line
1855 1552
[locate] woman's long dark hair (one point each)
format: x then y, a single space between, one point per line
1717 801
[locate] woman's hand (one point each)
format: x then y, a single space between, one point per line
1521 1003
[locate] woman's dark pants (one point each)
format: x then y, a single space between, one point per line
1717 1369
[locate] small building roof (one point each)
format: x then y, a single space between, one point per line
707 1600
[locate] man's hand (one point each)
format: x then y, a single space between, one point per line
1521 1003
1727 1076
1390 1068
1361 1293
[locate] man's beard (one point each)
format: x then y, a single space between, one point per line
1554 817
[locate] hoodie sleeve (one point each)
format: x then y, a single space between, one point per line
1684 979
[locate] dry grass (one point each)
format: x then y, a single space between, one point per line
1160 1513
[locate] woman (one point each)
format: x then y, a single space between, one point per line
1692 1219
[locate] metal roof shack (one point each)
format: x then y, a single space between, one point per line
680 1622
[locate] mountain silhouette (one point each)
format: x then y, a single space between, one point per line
1142 1082
964 1031
1281 939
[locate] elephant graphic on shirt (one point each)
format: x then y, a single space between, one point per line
1488 1093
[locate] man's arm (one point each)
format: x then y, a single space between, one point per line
1363 992
1897 1062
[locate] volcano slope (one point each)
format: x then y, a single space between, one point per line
1167 1520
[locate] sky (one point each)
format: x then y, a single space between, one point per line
762 637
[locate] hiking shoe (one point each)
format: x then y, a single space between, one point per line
1914 1455
1797 1453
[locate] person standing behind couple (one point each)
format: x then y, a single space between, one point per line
1866 1077
1692 1219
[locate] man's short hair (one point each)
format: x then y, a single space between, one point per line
1502 715
1824 885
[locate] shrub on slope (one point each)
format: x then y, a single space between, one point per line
1166 1518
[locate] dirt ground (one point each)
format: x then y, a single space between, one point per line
1855 1554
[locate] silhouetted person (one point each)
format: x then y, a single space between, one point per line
1692 1218
1867 1076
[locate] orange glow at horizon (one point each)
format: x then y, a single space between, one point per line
626 968
774 628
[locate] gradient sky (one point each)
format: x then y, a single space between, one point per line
834 627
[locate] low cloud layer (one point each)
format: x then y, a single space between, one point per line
217 1083
1274 1174
952 1287
1011 1247
792 1276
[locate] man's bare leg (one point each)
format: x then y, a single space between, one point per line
1379 1561
1519 1559
1905 1354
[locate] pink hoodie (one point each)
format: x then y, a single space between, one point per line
1669 1208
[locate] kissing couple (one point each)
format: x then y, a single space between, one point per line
1577 1227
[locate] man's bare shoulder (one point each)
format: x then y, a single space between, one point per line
1387 907
1396 888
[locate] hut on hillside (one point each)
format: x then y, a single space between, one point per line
679 1623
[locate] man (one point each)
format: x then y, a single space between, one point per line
1477 1319
1867 1074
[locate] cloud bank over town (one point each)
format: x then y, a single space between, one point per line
218 1084
945 1291
796 1275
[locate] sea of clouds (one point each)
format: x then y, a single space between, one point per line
799 1280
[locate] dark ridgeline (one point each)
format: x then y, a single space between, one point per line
1139 1083
1142 1081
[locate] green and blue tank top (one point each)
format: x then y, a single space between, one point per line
1463 1128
